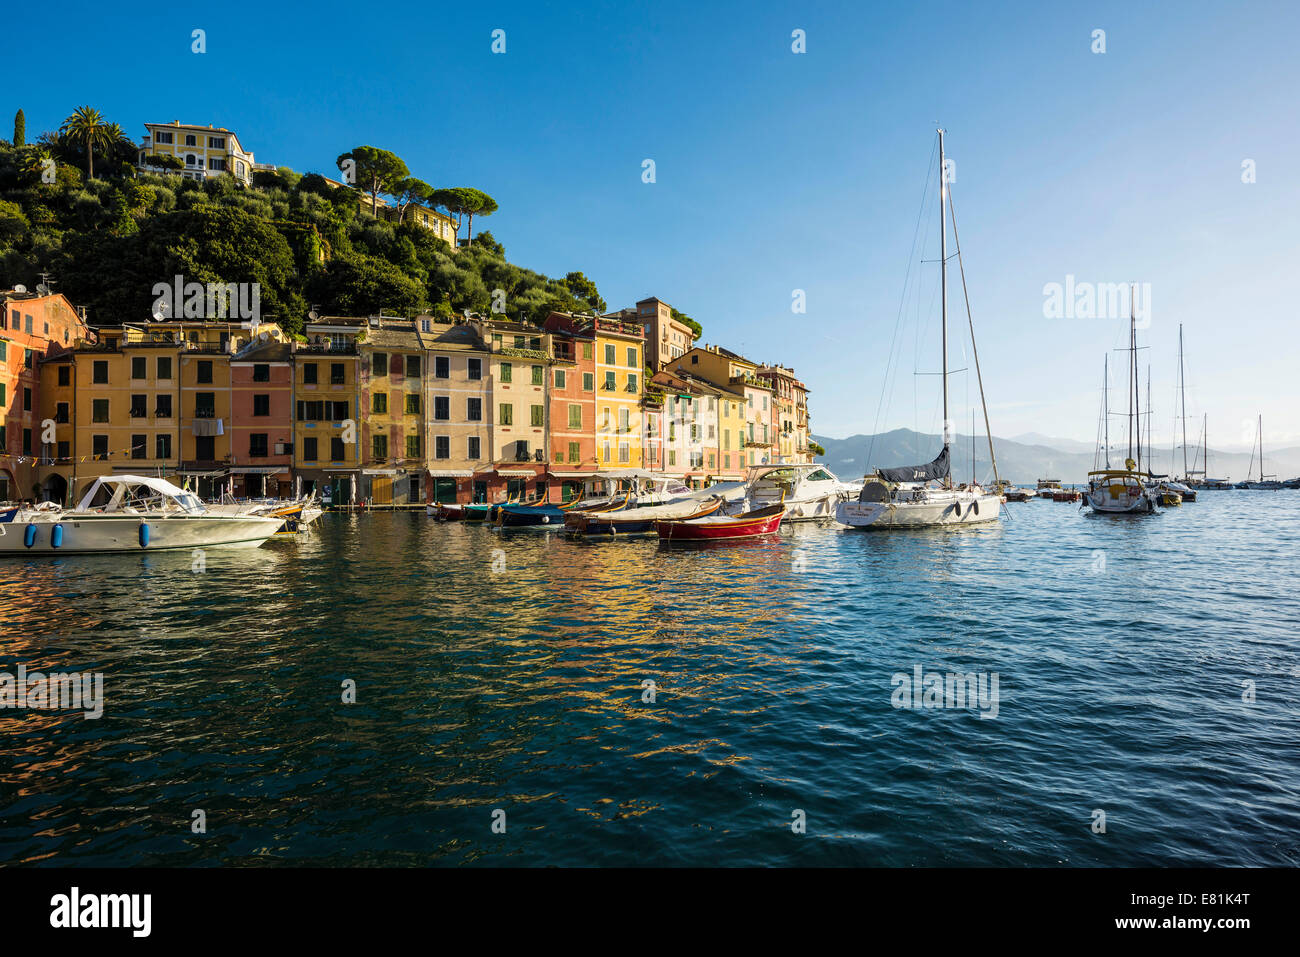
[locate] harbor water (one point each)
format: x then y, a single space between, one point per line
1147 705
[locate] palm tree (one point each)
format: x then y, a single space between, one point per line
86 127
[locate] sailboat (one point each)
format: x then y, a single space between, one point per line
1267 482
1184 486
923 496
1123 491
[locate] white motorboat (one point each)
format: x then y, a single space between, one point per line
130 513
808 491
905 497
1120 492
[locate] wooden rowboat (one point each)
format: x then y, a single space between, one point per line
762 521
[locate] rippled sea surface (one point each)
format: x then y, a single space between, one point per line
505 671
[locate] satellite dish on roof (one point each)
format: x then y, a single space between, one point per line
20 288
42 290
312 315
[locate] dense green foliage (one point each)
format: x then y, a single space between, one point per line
107 240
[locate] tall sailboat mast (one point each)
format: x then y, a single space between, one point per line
943 287
1105 405
1182 392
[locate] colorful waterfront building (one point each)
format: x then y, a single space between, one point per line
34 330
791 414
620 372
327 430
459 405
572 421
682 427
261 417
519 355
666 338
392 411
744 411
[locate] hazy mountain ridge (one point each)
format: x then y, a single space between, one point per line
1022 462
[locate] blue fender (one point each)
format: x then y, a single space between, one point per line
29 536
56 536
144 534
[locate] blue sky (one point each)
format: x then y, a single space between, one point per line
778 171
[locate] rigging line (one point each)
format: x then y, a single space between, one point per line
974 349
902 304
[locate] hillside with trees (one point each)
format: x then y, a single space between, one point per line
74 207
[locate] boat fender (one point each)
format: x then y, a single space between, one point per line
546 519
144 534
56 536
29 536
975 506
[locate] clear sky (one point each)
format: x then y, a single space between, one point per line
778 171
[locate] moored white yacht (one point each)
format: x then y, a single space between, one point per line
808 491
130 513
923 496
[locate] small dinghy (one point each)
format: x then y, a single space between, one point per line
761 521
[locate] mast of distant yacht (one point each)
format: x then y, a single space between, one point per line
943 291
1182 391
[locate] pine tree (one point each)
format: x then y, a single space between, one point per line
20 129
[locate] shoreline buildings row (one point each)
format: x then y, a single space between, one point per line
381 409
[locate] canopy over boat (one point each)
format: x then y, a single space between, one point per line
116 492
940 468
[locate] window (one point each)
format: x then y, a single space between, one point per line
441 407
60 414
337 375
610 355
164 407
28 323
261 404
27 400
139 367
588 382
412 403
413 446
205 370
159 137
337 452
506 414
99 410
99 446
379 364
519 342
191 140
99 372
537 375
309 373
257 445
624 453
672 457
139 446
309 449
610 384
205 405
379 403
139 406
261 372
218 164
65 374
538 416
216 142
631 382
573 452
162 445
623 421
472 447
441 367
441 447
413 366
559 378
631 357
475 368
379 448
474 410
586 350
336 411
507 372
575 416
164 367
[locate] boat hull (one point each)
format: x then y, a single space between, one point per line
107 534
765 521
955 510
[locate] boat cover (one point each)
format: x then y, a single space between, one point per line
937 469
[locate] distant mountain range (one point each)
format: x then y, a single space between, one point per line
1025 459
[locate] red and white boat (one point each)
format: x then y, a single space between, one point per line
762 521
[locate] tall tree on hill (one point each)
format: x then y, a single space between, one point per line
20 129
456 200
373 171
86 128
481 203
410 192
